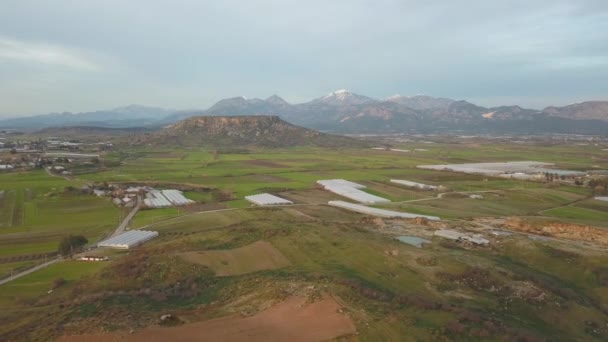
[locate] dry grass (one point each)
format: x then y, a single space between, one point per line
258 256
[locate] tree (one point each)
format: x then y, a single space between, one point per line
13 151
71 244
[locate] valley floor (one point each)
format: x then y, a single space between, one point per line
310 271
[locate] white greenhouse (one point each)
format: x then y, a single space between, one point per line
267 199
413 184
378 212
165 198
129 239
351 191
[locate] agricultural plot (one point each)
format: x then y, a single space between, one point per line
36 212
515 202
580 215
258 256
39 283
294 319
243 259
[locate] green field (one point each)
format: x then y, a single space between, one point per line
443 291
37 212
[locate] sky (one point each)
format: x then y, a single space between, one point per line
72 55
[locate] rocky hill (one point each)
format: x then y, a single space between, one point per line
595 110
242 131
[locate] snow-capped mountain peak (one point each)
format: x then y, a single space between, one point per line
344 96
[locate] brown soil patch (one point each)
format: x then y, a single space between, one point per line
290 320
264 163
561 230
258 256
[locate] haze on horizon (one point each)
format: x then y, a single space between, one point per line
78 56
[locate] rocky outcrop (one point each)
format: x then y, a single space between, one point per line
243 131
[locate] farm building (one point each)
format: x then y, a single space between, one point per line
94 258
351 191
129 239
378 212
413 184
602 198
267 199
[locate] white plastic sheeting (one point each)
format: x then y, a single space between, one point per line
378 212
500 169
351 191
340 182
165 198
356 195
129 239
413 184
176 197
267 199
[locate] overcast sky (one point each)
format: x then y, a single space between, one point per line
60 55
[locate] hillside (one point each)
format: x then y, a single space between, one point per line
346 112
595 110
242 131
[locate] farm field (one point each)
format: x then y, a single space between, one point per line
294 319
257 256
37 211
223 262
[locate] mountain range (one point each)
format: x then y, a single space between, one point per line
343 111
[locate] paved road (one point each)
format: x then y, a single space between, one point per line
30 270
125 223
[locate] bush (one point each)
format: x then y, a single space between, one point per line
57 283
71 244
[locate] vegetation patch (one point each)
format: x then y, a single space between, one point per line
255 257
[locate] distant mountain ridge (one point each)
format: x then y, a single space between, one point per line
347 112
128 116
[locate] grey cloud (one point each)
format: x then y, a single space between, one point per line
186 54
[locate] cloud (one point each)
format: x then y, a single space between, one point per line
44 54
190 53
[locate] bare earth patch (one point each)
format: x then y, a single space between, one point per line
291 320
258 256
